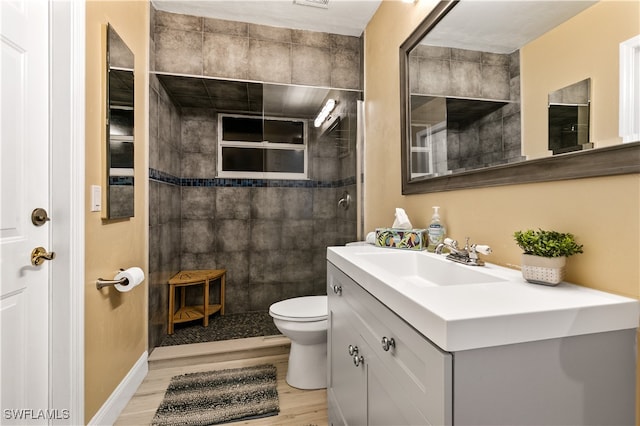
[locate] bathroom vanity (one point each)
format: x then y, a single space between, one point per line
415 339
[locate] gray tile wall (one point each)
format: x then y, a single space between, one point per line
164 207
193 45
462 73
271 240
495 138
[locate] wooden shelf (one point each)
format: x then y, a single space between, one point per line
194 312
214 308
188 313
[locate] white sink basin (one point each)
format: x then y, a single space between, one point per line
416 268
461 307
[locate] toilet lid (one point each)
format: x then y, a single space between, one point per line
308 308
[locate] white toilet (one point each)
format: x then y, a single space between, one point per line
304 321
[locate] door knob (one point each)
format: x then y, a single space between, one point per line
39 255
39 217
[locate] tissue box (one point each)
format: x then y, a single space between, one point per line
412 239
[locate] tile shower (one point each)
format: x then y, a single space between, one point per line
270 235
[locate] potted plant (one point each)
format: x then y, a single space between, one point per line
545 254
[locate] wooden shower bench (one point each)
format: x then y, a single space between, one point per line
184 279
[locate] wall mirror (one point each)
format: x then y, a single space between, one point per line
461 103
569 118
119 127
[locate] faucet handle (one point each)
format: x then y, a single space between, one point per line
450 242
482 248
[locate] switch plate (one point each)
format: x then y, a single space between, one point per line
96 198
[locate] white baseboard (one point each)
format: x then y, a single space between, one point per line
113 406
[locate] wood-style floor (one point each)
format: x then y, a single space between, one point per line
297 407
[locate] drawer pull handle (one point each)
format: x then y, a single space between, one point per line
353 350
357 360
388 343
337 289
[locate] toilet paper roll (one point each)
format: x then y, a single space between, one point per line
134 277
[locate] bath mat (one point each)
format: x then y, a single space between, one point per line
215 397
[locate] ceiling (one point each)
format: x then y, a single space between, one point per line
501 26
488 25
240 97
222 95
345 17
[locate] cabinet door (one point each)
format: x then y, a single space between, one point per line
408 382
388 402
422 371
347 383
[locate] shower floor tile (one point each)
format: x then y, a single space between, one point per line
223 327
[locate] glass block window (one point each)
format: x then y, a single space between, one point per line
261 147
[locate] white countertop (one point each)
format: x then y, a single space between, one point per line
496 312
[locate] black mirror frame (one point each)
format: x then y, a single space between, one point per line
608 161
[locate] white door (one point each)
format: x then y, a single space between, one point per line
24 186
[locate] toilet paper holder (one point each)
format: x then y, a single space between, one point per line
100 283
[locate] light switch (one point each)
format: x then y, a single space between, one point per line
96 198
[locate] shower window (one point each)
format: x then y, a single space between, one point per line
261 147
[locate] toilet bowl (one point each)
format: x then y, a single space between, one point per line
304 321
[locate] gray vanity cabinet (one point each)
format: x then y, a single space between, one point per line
586 379
406 381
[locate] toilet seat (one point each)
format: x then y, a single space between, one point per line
301 309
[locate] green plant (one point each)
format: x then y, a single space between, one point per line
547 243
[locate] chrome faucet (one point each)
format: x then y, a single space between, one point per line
467 255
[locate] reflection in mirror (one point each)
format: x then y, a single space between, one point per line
120 125
463 95
569 118
475 78
464 109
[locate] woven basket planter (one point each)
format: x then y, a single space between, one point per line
543 270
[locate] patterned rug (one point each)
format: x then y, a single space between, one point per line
222 396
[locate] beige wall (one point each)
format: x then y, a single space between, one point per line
602 212
115 323
583 47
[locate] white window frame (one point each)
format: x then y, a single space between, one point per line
423 146
630 90
262 145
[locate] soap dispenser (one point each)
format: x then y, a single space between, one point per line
436 230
